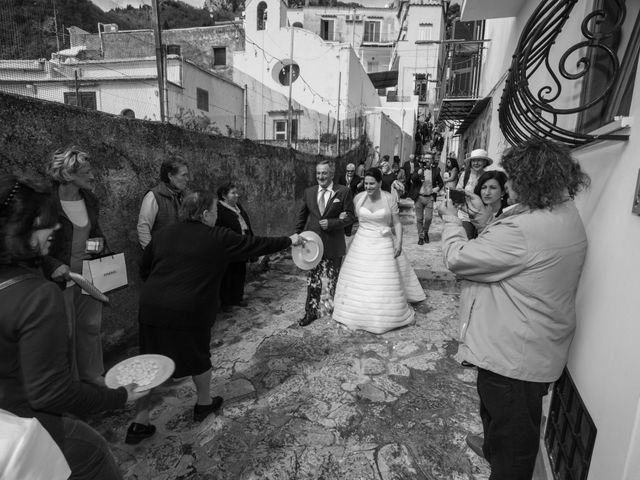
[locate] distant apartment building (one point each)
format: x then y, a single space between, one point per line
128 87
371 31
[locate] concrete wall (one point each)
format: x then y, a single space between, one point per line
126 156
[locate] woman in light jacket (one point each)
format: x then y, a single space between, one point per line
517 305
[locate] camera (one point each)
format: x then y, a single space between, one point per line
457 196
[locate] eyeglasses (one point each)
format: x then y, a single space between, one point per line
350 171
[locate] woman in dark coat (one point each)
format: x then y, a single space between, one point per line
233 216
182 267
35 376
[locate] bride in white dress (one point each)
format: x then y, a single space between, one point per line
376 282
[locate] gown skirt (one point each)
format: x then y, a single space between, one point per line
374 289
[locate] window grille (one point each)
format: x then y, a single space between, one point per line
528 111
570 433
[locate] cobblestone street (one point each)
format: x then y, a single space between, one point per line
320 402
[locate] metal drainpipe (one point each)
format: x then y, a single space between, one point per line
246 109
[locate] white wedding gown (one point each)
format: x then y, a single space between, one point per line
374 288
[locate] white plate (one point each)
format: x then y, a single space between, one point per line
165 365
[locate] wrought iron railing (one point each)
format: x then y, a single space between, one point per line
526 111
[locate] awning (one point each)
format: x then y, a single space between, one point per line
462 111
475 112
384 79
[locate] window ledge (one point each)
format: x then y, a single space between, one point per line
619 124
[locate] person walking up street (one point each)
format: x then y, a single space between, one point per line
320 213
352 180
517 305
426 182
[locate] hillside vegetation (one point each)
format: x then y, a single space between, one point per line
28 28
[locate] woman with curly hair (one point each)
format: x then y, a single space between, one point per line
78 210
517 304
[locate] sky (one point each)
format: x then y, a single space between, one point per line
110 4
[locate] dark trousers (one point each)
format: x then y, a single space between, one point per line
511 411
232 286
87 453
328 267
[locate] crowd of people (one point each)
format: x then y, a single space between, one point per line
515 239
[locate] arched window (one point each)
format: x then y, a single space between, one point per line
262 15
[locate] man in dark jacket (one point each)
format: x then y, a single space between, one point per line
426 182
352 180
320 213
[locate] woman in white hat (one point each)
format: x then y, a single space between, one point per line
475 166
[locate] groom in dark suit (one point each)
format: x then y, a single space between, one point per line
320 211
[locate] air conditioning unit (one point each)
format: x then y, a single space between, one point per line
349 18
109 27
357 18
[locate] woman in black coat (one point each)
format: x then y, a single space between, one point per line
182 268
233 216
35 375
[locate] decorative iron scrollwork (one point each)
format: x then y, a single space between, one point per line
527 111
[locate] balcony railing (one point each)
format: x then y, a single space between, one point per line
369 37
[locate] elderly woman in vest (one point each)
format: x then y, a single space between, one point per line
73 181
233 216
161 204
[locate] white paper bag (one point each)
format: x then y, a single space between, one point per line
106 273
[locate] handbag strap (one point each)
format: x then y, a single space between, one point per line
17 279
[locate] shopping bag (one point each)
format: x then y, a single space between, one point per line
106 273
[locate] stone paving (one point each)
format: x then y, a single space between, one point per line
319 402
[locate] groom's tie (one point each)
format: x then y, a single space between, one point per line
322 202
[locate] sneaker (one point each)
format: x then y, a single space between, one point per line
200 412
475 443
138 432
426 238
421 241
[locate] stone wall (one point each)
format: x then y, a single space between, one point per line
126 156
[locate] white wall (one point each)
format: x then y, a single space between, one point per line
321 64
605 350
226 99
